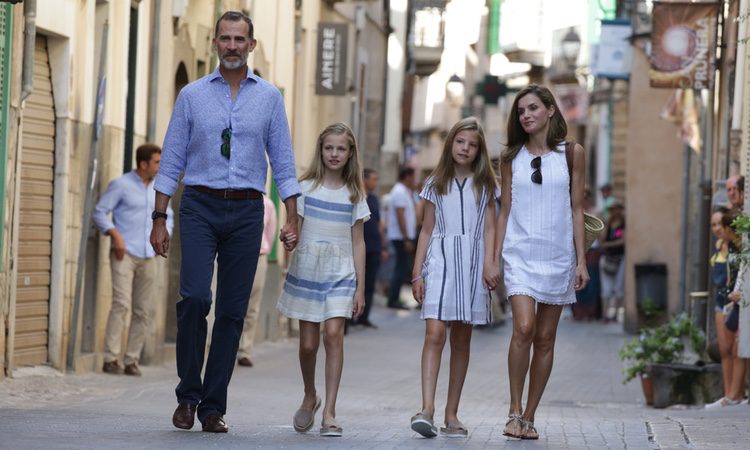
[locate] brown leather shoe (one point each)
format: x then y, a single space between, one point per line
245 362
184 416
112 367
214 424
132 369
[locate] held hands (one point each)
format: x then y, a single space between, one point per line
159 238
288 234
734 296
359 304
491 276
582 276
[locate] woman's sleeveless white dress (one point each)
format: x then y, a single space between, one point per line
538 250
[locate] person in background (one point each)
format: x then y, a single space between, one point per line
606 191
130 199
402 230
259 283
588 300
612 262
375 250
734 386
736 192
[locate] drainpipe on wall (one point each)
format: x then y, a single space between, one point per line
29 45
153 82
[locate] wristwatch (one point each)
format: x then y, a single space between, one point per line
158 215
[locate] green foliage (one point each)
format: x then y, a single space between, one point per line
660 345
649 308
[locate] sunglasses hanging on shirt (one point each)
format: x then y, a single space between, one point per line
226 137
536 175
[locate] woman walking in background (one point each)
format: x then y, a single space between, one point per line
454 267
540 237
612 262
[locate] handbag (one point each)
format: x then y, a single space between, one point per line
592 225
732 322
611 264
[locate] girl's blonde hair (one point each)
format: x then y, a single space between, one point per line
517 136
352 172
484 175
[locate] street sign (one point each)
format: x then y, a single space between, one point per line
330 73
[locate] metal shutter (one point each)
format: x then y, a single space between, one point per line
35 239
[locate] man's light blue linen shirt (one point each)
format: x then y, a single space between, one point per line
204 108
130 202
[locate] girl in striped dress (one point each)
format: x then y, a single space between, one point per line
325 281
453 268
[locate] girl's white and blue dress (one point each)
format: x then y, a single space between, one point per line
538 250
453 266
321 280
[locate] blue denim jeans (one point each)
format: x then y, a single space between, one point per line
231 231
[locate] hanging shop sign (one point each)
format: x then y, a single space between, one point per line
612 57
683 43
330 73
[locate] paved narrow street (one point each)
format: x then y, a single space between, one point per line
585 405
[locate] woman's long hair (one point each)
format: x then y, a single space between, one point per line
517 136
352 172
484 176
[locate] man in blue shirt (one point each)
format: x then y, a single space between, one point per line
130 199
222 127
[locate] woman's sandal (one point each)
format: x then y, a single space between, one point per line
528 430
331 429
454 430
514 419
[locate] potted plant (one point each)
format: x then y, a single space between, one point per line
669 360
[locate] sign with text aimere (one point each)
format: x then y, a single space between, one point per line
683 43
330 73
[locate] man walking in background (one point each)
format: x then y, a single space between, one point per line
374 248
130 199
402 230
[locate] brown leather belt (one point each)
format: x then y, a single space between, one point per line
230 194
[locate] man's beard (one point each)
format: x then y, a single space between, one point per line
235 64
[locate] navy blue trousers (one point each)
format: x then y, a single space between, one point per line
372 264
401 271
231 231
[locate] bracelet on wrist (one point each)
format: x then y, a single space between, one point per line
415 279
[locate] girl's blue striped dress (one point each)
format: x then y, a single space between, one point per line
453 266
321 281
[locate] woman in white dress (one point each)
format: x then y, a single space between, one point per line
540 237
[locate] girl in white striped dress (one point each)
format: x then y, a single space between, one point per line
325 281
453 268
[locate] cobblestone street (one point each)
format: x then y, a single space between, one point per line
585 405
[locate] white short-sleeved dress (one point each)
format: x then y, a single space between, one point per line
453 266
538 250
321 280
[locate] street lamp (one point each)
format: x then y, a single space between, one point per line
455 88
571 46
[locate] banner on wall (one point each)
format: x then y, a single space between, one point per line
683 43
330 72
